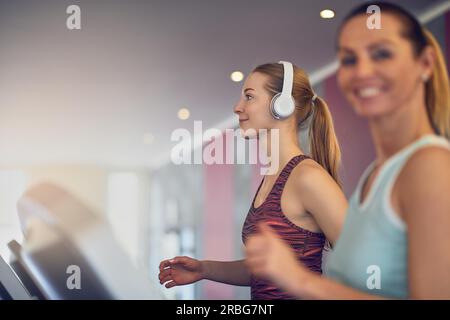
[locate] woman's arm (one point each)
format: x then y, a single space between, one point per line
322 198
232 272
424 200
185 270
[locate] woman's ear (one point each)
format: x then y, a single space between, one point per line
428 60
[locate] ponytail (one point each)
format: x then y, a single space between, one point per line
437 91
323 141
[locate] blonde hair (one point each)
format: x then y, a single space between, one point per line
437 91
324 146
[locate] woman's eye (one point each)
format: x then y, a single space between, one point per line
248 97
348 60
381 55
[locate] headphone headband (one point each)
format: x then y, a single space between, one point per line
288 78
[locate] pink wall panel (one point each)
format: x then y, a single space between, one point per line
218 223
353 134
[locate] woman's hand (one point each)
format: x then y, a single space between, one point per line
180 271
271 258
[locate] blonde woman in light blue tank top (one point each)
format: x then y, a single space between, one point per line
395 242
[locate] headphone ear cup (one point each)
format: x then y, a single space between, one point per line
281 106
273 106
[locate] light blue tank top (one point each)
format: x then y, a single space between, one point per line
371 252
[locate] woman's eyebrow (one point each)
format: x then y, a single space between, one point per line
248 89
381 43
372 45
344 49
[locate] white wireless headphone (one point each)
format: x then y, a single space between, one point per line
283 104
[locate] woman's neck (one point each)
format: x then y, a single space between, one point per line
285 146
393 132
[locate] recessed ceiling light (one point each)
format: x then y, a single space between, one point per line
327 14
183 114
149 138
237 76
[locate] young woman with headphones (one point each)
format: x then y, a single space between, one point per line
395 242
302 201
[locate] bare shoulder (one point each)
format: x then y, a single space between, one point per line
427 165
309 176
424 182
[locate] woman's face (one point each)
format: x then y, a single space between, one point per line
378 71
253 105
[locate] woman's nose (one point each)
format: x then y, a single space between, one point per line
238 108
364 68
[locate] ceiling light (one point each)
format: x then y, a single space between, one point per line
327 14
237 76
183 114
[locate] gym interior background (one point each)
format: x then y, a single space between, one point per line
93 110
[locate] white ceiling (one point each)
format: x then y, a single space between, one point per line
89 96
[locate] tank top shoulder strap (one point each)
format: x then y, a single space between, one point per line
394 166
286 172
284 175
397 162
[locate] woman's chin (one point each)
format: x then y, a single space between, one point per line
247 130
370 109
248 134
